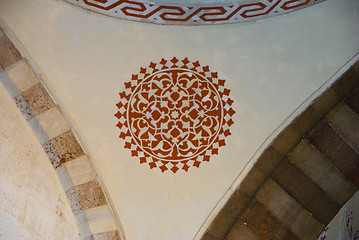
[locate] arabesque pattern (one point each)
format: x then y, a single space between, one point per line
174 114
173 12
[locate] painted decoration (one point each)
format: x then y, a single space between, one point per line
351 231
345 225
174 114
189 13
323 235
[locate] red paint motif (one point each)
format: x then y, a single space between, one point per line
351 233
214 13
174 114
323 235
347 228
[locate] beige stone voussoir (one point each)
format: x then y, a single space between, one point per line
22 75
80 170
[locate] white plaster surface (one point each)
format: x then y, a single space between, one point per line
271 67
342 229
32 202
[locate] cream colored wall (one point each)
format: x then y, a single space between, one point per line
345 225
33 204
272 67
350 220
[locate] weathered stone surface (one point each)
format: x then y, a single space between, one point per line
356 68
30 192
346 83
46 214
74 201
67 146
82 223
353 101
306 226
240 231
236 203
39 131
306 120
24 107
317 168
53 122
306 192
346 123
38 99
336 150
221 225
206 236
101 219
264 224
22 75
278 202
286 140
91 194
287 210
52 154
80 170
252 181
8 52
64 178
113 235
269 160
10 86
326 101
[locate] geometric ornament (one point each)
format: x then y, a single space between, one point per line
174 114
199 12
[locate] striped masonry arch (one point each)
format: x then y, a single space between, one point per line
295 188
85 193
304 177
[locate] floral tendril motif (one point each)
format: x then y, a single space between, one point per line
174 114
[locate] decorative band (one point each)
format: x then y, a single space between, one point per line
202 13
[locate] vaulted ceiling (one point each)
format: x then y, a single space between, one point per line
282 99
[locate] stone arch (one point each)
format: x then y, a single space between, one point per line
292 192
304 177
85 193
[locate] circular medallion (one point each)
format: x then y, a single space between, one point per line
174 114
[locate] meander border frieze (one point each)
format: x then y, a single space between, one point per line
193 13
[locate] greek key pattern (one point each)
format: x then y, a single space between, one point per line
194 14
174 114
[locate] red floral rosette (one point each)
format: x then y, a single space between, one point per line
174 114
